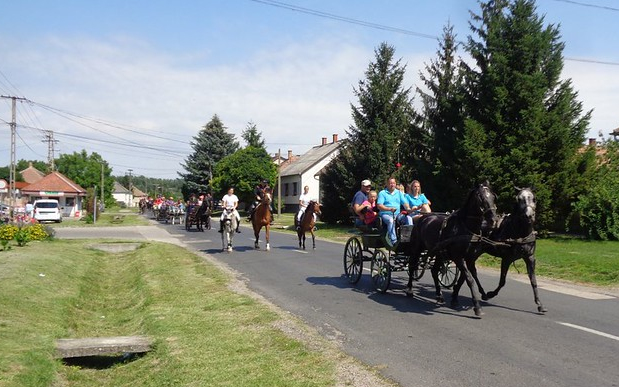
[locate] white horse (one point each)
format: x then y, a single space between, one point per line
229 228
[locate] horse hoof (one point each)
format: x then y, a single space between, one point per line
541 309
440 301
409 292
478 312
268 247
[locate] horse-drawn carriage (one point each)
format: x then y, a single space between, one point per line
370 246
198 215
461 237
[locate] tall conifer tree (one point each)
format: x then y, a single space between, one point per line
212 144
524 123
381 122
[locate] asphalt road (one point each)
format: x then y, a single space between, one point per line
410 339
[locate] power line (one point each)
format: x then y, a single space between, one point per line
588 5
345 19
314 12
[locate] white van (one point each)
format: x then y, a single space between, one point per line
47 210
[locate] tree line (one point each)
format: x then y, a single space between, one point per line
503 115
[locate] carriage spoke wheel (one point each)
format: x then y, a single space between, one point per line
418 272
353 260
381 271
448 275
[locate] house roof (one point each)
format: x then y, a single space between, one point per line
310 159
137 192
54 182
31 174
120 189
615 132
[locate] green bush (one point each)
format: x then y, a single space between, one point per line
598 209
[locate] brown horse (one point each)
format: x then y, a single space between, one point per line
262 218
307 224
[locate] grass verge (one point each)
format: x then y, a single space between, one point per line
205 334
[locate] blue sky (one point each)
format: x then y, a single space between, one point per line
136 80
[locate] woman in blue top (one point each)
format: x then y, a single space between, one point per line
390 201
417 201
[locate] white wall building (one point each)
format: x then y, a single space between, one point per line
305 170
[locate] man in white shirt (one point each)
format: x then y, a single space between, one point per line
304 201
230 200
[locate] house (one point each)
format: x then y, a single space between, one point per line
122 195
299 171
615 133
55 185
137 196
31 174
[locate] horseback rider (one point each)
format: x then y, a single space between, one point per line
230 200
259 192
304 201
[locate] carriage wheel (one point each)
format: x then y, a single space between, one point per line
353 260
418 272
381 271
448 275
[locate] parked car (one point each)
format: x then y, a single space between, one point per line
5 211
47 210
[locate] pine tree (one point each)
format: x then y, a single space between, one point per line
443 119
252 137
382 120
524 123
212 144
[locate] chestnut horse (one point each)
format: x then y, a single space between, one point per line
262 218
307 224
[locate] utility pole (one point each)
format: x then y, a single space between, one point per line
49 138
130 189
12 174
279 183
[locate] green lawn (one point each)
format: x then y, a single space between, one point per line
204 333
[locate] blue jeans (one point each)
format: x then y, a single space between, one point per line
389 221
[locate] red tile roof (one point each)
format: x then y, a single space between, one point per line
54 182
31 174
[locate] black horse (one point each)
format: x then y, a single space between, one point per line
512 239
453 237
203 214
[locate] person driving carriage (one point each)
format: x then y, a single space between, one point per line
259 192
390 202
230 200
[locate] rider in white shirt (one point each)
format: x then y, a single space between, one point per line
230 200
304 201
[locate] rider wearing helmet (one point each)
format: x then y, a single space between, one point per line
259 192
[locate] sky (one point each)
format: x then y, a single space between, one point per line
135 81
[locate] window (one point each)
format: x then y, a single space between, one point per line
295 190
286 193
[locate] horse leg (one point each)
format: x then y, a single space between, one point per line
456 290
257 235
505 262
469 282
413 262
470 264
313 238
268 247
440 300
530 261
300 235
